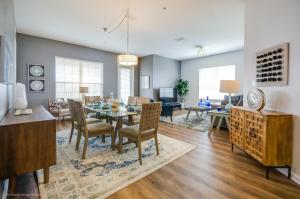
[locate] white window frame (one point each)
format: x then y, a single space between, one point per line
80 73
200 95
119 80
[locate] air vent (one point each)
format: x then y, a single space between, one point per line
179 39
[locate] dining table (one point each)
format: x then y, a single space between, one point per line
114 114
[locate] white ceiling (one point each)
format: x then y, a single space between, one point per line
217 25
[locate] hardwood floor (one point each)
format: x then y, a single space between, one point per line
212 170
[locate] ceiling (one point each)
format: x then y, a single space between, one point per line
217 25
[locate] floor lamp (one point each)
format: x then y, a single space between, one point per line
229 86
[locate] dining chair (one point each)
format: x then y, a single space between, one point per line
58 107
74 119
146 130
131 101
142 100
136 118
90 130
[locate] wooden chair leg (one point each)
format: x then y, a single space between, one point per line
140 150
86 140
71 134
78 139
113 140
120 142
156 144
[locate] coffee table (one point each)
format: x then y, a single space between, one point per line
197 109
221 115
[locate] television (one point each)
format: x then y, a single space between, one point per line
167 95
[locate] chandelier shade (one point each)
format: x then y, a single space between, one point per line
127 60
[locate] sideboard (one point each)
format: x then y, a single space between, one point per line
264 135
27 143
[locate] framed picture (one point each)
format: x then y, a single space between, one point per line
36 70
36 85
145 82
272 66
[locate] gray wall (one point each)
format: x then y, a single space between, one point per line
146 68
163 72
36 50
190 70
261 34
8 30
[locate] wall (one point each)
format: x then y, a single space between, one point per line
190 70
8 30
268 23
38 50
146 68
163 72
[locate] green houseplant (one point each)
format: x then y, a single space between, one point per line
182 88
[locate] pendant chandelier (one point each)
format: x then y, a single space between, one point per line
127 59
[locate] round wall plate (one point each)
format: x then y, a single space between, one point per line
256 99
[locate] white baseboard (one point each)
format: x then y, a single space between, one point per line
294 176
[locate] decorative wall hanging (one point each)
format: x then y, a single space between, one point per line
36 85
36 70
145 82
272 66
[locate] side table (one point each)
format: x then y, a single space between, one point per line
218 114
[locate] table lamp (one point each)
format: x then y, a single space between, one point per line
83 90
229 86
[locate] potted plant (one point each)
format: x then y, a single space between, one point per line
182 88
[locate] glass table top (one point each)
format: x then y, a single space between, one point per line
106 109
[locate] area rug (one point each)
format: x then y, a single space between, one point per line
193 121
104 171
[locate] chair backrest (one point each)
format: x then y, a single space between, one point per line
92 99
79 113
131 100
71 109
150 116
142 100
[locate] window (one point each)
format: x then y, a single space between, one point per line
71 73
126 82
209 80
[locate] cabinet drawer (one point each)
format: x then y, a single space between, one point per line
237 127
255 135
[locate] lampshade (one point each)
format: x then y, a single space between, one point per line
229 86
83 89
128 60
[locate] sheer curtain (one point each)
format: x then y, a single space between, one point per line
209 80
71 73
126 83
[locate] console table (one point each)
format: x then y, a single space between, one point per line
27 143
266 136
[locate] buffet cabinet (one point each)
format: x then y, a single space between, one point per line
264 135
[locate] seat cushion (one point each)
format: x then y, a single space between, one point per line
133 131
99 128
89 121
92 120
136 120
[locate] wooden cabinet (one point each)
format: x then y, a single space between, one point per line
265 135
27 143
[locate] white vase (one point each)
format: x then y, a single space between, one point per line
20 99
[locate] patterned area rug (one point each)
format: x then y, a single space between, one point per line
104 171
193 122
